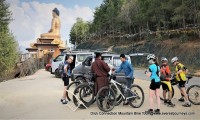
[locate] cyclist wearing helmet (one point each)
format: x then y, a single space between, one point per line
154 88
165 80
180 76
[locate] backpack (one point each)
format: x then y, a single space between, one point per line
164 74
61 68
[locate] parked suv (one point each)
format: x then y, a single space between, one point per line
79 57
112 59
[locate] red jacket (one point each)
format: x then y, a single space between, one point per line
165 70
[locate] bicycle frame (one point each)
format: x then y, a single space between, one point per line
118 90
186 84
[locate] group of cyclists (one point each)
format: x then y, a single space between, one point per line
159 75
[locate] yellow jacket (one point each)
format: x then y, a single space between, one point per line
182 75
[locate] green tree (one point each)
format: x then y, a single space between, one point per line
79 32
8 44
5 16
135 16
128 16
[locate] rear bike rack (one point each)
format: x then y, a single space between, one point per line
71 105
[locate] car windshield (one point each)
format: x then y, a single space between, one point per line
82 57
60 58
117 61
107 59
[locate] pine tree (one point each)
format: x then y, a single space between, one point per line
8 44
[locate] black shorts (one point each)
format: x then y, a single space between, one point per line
166 85
181 83
154 85
65 80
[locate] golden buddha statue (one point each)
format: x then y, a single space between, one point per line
55 26
54 32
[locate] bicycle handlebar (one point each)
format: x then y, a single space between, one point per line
113 76
188 78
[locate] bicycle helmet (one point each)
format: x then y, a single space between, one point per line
151 56
174 59
163 59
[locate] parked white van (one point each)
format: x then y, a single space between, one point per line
79 57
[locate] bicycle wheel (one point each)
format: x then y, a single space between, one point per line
85 93
71 87
80 78
138 96
194 94
167 93
93 88
106 99
117 94
57 74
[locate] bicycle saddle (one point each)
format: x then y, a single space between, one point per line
189 77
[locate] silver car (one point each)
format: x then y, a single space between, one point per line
112 59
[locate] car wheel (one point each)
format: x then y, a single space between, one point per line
49 69
57 75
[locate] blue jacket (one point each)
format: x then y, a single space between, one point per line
154 69
127 68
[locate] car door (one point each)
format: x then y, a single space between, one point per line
56 62
87 64
81 57
85 67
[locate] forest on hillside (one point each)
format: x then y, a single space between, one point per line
140 19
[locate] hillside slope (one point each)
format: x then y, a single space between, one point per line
188 52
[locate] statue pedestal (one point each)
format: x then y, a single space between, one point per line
47 46
45 40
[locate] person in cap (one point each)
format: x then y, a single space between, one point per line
65 77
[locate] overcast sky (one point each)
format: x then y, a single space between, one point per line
33 17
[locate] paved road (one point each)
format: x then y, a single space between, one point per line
38 97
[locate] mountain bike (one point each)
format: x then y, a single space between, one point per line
83 78
193 91
106 98
85 92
